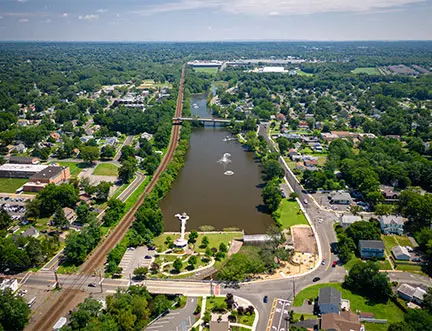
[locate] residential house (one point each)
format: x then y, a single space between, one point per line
344 134
9 283
31 232
20 148
392 224
410 293
326 136
70 214
401 253
56 136
347 220
345 321
389 193
340 198
147 136
329 300
371 248
85 139
112 141
303 125
363 136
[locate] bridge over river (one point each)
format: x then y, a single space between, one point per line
214 121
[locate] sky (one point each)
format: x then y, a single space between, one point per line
215 20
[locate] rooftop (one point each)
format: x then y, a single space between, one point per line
23 167
48 172
393 219
329 295
375 244
345 321
399 250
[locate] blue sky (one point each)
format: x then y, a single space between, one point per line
214 20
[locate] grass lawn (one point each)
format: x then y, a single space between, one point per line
306 316
212 301
246 319
210 70
351 263
106 169
215 239
387 311
302 73
393 240
289 214
385 265
410 268
369 71
220 84
74 167
150 83
10 185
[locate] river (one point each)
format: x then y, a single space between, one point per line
205 193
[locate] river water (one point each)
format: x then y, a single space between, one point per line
205 193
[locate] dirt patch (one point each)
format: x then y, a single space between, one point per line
304 240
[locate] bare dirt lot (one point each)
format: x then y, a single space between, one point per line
304 240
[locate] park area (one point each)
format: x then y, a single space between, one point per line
291 214
369 71
106 169
388 311
10 185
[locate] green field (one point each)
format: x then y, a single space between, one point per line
10 185
106 169
302 73
289 215
393 240
150 83
351 263
387 311
211 70
369 71
74 167
215 239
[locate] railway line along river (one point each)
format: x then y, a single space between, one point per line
219 184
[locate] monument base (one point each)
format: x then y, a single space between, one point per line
181 243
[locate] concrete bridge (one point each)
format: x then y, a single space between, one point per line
214 121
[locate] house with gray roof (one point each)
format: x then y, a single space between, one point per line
371 248
348 219
401 253
329 300
340 198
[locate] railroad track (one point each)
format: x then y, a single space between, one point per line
97 259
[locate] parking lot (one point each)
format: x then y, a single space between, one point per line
15 207
323 199
134 258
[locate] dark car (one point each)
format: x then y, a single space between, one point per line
147 257
334 264
316 279
265 299
92 285
151 248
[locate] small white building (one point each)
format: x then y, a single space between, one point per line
9 283
347 220
410 293
401 253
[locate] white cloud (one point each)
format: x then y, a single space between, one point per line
90 17
278 7
101 11
22 1
48 21
65 15
23 20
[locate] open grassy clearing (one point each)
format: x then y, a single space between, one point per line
364 70
351 263
302 73
392 240
150 83
106 169
210 70
387 310
10 185
220 84
289 214
74 167
215 239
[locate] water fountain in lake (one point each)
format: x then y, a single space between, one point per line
225 160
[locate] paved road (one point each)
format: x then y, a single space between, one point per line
176 320
279 315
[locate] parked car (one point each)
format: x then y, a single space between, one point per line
147 257
334 264
92 285
323 262
316 279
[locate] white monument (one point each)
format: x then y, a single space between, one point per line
182 242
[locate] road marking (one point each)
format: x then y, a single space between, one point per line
272 311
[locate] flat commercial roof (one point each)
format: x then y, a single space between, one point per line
22 167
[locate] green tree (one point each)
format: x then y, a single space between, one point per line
160 304
89 153
204 242
192 261
85 312
14 312
127 170
83 213
271 195
363 230
382 209
103 190
223 248
272 169
283 144
59 219
177 265
108 152
365 279
140 272
427 300
193 235
293 195
5 220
